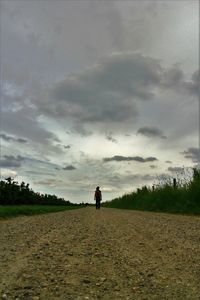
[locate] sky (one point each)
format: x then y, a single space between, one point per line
98 93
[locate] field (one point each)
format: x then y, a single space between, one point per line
7 211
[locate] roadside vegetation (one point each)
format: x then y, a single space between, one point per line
19 199
7 211
169 196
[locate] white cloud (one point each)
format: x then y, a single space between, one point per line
5 173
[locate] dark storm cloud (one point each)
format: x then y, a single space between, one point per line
20 140
67 147
108 91
80 130
24 123
9 138
153 166
195 82
6 138
168 162
193 85
126 73
10 161
69 168
173 78
175 169
129 158
151 132
193 154
110 138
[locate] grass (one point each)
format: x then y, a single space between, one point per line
184 199
8 211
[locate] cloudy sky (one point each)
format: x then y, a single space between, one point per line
98 93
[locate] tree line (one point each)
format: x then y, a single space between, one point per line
12 193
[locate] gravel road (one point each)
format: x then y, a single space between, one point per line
103 254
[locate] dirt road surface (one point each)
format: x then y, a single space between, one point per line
106 254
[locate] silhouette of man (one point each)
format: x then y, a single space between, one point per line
97 197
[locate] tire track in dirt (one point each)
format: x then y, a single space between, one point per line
21 239
106 254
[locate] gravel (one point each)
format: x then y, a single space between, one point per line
104 254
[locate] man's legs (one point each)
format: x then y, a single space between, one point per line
97 204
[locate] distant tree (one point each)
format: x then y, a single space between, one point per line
11 192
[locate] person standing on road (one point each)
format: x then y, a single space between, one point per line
97 197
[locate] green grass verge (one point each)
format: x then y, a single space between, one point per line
8 211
